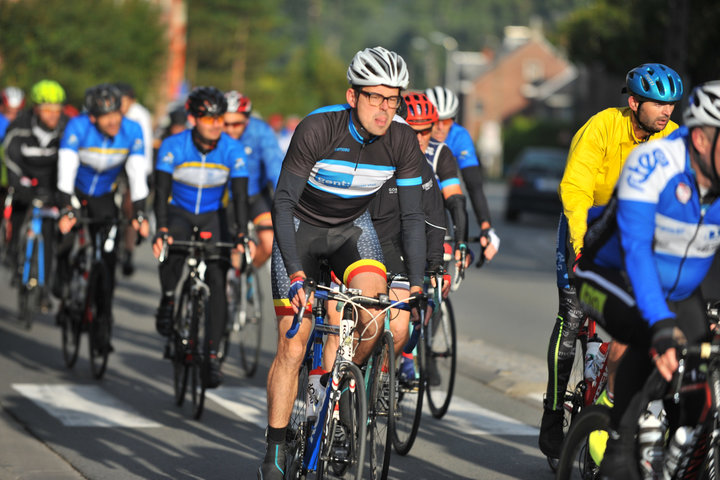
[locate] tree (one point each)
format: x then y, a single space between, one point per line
80 44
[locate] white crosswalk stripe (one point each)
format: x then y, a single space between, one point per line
83 406
91 406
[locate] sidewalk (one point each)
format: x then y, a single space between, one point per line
24 457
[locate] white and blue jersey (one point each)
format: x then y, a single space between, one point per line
263 155
667 237
462 147
199 179
90 161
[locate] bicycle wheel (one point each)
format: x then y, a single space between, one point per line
197 363
70 335
381 407
180 343
441 349
408 408
28 295
575 446
342 453
233 293
250 322
297 430
99 319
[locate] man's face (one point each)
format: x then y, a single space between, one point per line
441 128
208 127
108 123
10 112
424 133
235 124
49 114
125 103
375 119
655 115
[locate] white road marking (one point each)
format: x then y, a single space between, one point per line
470 418
83 406
248 403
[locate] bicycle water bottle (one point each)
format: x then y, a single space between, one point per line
592 352
676 459
650 447
315 393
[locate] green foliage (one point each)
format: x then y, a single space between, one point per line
523 131
80 44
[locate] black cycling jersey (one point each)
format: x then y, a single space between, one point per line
332 171
31 150
385 209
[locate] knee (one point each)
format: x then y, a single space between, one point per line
290 352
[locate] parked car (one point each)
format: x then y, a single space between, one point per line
533 182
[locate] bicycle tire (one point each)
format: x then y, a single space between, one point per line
408 408
197 364
250 322
232 292
179 344
381 407
331 463
441 360
298 427
70 326
593 417
99 317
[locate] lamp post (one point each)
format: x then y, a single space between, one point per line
450 45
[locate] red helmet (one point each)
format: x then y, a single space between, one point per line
421 110
238 103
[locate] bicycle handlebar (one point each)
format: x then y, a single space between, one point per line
381 301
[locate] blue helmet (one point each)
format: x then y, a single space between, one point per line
655 81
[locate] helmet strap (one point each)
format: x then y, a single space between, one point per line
642 125
203 144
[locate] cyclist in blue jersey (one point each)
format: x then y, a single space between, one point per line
644 258
338 159
194 169
12 101
458 140
264 159
94 148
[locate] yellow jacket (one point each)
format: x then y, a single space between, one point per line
597 153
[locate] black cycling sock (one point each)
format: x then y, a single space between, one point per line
276 435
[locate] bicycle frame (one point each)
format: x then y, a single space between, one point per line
38 215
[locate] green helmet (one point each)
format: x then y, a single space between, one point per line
47 91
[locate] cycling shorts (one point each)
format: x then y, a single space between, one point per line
349 248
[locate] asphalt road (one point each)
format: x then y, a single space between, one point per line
126 425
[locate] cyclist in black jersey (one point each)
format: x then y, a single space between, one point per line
338 159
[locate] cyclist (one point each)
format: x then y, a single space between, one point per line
597 153
193 171
458 140
133 110
339 157
646 255
12 100
384 211
95 147
31 155
264 159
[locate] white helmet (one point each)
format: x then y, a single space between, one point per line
703 106
378 66
445 100
13 97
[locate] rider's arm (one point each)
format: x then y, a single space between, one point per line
409 180
447 172
136 164
463 149
577 186
435 227
239 186
637 208
69 160
167 156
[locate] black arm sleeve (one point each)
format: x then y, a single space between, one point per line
456 205
163 184
473 180
138 206
413 232
238 186
435 227
289 189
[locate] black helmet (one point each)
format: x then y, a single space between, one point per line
102 99
206 101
